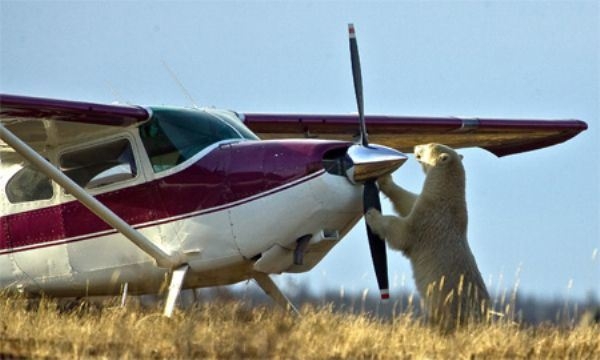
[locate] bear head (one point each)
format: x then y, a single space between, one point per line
436 156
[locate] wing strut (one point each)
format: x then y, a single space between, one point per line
162 258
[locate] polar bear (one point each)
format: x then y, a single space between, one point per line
432 232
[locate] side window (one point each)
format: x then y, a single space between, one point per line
28 184
100 165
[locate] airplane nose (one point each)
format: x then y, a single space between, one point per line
372 161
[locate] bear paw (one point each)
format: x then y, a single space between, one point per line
371 213
385 182
373 219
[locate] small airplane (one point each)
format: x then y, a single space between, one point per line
99 197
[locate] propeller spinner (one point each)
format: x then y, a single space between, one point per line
368 163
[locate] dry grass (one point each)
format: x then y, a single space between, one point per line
232 330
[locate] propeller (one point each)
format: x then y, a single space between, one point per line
370 162
358 87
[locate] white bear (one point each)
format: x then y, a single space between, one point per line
432 232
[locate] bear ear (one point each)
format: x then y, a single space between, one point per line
460 156
444 157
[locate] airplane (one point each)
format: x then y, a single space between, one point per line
155 199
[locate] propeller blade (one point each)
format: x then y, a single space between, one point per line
367 165
358 87
376 244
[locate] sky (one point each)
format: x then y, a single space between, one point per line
534 218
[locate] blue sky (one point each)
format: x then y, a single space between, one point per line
534 218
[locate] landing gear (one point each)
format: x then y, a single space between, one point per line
262 279
270 288
175 288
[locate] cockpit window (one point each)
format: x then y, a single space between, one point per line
173 136
28 184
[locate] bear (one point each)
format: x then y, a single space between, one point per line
431 231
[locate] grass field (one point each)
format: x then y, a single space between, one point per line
232 329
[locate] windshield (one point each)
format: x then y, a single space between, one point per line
173 136
233 119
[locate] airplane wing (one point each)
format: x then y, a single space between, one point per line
499 136
19 107
41 122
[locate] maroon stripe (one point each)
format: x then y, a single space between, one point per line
42 243
299 123
226 177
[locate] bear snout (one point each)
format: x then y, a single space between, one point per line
418 152
423 152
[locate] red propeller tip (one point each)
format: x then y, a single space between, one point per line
351 31
385 294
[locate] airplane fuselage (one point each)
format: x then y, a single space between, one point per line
233 207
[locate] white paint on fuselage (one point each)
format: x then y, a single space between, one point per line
219 245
